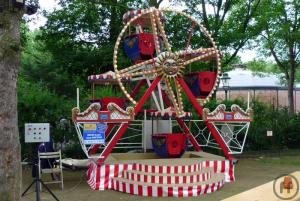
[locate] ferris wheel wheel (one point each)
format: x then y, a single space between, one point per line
155 50
171 57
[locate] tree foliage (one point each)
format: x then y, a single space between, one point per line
231 23
262 66
38 65
38 104
281 38
81 35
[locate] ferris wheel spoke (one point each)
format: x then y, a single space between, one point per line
137 66
203 57
172 95
158 106
155 33
189 53
159 88
140 73
162 30
138 78
179 95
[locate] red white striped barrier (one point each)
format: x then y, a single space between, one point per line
165 169
167 179
100 177
166 191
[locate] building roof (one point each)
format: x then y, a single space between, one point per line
240 77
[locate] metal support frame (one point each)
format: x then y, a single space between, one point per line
209 125
137 88
234 145
183 125
94 149
124 126
107 150
189 135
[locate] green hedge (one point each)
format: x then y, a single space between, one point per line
286 129
37 103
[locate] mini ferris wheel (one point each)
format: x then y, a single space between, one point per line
172 57
162 60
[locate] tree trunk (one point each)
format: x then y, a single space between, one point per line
290 82
10 152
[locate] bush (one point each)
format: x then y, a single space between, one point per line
37 104
266 117
291 137
285 129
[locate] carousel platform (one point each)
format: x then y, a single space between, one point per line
145 174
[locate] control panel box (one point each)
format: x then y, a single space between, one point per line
37 132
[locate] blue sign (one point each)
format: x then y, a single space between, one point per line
94 133
104 116
229 117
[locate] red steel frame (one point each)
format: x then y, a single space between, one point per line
138 107
94 149
209 125
182 124
137 88
124 126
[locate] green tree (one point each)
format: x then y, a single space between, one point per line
281 39
10 162
36 103
38 65
81 35
231 23
262 66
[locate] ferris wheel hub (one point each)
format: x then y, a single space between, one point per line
170 64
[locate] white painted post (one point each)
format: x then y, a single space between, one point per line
78 98
248 103
144 137
170 125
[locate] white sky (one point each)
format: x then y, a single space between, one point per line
238 77
38 20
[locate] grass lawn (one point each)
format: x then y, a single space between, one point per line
251 171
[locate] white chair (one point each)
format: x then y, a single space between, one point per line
54 166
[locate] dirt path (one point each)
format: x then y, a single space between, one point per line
249 173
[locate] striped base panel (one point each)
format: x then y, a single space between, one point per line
167 180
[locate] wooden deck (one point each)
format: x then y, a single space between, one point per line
153 159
